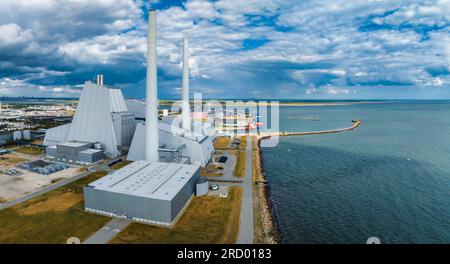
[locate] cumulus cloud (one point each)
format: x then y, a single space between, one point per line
328 90
265 48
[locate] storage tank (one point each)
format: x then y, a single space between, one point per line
26 134
17 135
202 187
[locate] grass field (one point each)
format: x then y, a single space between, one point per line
222 143
52 217
29 150
239 170
208 219
120 164
243 144
205 173
10 159
210 171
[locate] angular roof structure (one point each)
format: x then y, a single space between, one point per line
93 119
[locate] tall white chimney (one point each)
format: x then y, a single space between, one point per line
99 79
151 114
186 109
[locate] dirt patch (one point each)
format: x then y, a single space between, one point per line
29 150
55 204
10 159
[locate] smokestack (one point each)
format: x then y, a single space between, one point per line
99 79
186 109
151 114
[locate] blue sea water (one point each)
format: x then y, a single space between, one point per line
389 178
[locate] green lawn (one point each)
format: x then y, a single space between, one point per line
243 144
29 150
120 164
52 217
208 219
239 170
222 143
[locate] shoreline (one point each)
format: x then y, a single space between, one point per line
255 103
269 224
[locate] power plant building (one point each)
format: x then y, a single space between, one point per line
149 192
101 116
75 152
146 190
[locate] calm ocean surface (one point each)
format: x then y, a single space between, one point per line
389 178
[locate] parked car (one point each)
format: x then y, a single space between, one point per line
214 187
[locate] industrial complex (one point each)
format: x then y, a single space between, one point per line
76 152
156 187
166 156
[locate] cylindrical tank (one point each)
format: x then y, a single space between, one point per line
202 187
26 134
17 135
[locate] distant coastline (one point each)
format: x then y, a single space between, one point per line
239 103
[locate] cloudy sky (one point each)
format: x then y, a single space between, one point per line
355 49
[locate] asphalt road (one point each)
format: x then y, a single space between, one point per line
246 227
108 232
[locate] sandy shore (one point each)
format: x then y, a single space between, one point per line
269 228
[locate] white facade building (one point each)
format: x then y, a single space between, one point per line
198 149
101 116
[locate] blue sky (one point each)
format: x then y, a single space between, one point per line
342 49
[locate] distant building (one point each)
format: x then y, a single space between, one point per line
28 135
75 152
149 192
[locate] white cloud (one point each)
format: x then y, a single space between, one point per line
104 49
311 46
12 34
15 87
330 90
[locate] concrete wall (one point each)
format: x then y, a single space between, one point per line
124 126
90 158
127 205
70 150
74 157
183 196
